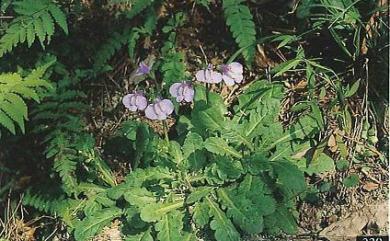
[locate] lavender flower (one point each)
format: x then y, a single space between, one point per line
159 110
182 91
142 69
135 101
208 75
232 73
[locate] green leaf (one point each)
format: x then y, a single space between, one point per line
192 143
169 227
354 88
175 152
90 226
241 210
351 180
139 197
219 146
223 227
280 220
240 20
197 194
227 168
289 176
201 214
321 164
155 211
59 17
144 236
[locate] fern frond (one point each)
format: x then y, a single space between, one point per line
110 47
240 21
13 90
35 21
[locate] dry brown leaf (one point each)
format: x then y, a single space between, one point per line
370 186
348 228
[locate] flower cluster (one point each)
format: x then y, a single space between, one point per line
230 73
160 109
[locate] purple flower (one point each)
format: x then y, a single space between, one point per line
159 110
142 69
135 101
182 91
208 75
232 73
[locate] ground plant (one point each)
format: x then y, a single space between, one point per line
164 120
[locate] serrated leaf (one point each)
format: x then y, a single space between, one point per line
93 224
59 17
169 227
7 122
139 197
192 143
201 215
223 227
219 146
241 210
198 194
39 31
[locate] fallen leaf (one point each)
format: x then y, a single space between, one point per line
332 144
370 186
348 228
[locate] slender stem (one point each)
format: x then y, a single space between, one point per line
165 127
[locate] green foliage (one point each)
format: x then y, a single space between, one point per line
14 90
87 229
240 21
128 36
351 180
35 20
173 63
221 171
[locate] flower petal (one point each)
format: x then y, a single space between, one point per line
173 90
188 93
215 77
228 80
201 75
166 106
150 113
141 102
126 100
236 67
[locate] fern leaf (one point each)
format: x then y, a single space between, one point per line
59 17
16 116
39 31
33 22
65 164
48 25
30 35
7 122
240 21
13 88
